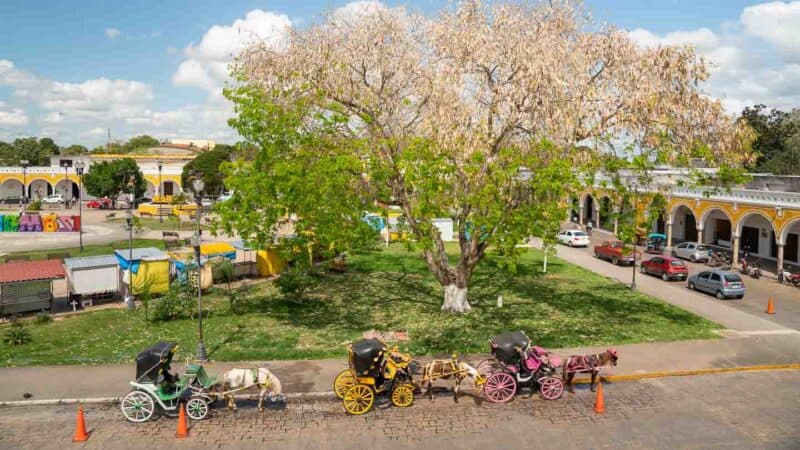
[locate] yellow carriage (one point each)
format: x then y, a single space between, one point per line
374 369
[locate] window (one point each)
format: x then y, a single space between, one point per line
703 248
733 278
684 245
578 233
705 275
690 246
677 263
657 260
715 277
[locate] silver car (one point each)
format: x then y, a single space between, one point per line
718 282
692 251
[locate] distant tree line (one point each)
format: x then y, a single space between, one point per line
778 139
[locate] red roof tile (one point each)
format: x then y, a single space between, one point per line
31 270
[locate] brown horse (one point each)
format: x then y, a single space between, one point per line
587 364
449 368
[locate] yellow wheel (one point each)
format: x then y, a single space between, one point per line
343 382
358 399
403 395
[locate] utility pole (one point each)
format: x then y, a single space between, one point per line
108 142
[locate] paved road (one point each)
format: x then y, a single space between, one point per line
753 410
757 292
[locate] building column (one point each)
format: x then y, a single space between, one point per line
616 226
669 234
699 235
735 249
780 255
580 214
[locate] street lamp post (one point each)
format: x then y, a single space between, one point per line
79 170
24 163
201 347
129 295
160 195
635 229
66 184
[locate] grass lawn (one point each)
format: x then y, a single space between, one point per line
93 250
385 290
152 223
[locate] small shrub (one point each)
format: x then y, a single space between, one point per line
177 303
43 318
296 281
35 205
17 334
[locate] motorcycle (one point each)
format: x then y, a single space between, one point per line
752 270
787 277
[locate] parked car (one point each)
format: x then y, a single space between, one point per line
13 200
573 238
720 283
53 199
616 252
692 251
665 267
100 203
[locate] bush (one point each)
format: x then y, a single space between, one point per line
43 318
296 281
35 205
17 334
177 303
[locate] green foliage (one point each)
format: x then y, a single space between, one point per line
176 303
35 205
139 143
223 271
145 290
295 282
17 334
206 165
110 178
778 139
43 318
74 150
37 152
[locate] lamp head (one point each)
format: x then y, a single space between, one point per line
198 185
160 164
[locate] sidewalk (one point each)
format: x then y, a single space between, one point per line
317 375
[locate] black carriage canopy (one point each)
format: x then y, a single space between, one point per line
151 360
366 357
504 346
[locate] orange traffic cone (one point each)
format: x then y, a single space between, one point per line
183 430
599 403
80 428
770 307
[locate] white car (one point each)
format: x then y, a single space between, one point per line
53 199
573 238
692 251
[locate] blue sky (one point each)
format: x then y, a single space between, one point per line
55 55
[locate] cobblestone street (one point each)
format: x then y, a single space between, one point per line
752 410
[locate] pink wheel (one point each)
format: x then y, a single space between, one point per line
551 387
500 387
486 367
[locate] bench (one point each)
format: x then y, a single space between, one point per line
171 239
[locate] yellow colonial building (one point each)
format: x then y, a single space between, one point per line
161 167
762 217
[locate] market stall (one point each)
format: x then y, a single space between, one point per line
147 265
92 277
28 285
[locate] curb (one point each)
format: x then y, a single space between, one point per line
330 395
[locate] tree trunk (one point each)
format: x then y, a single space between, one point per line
455 299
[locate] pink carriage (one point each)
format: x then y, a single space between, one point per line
516 363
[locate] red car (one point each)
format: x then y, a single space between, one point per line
666 267
617 253
102 203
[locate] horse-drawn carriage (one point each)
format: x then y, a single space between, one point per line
156 386
374 369
515 362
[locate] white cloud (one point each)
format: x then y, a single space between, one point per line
206 63
777 23
744 71
112 33
11 116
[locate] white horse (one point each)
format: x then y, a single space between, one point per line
237 380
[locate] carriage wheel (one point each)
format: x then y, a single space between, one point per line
343 382
551 388
500 387
197 408
138 406
358 399
486 367
403 395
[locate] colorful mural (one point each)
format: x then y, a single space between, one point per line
34 222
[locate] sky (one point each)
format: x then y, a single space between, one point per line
72 69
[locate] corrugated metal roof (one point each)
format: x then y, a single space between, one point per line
90 262
47 269
142 253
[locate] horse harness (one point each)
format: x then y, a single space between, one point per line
583 363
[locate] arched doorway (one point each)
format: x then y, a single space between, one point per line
684 225
757 235
588 209
170 188
67 188
656 214
11 188
604 220
39 189
791 242
716 228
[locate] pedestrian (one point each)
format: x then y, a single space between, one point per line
21 209
589 228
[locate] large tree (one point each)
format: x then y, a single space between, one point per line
207 166
778 136
462 116
111 178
